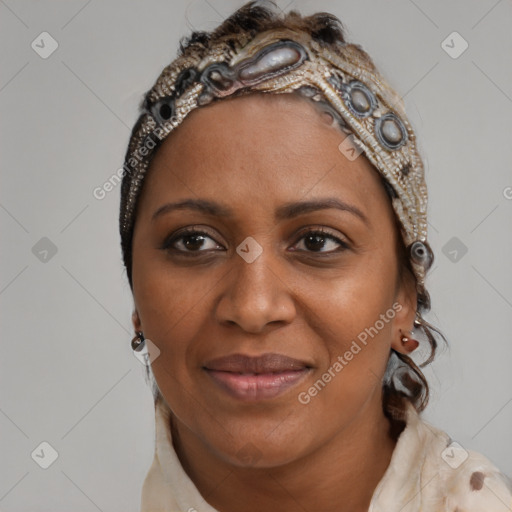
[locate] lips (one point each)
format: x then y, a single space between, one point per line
256 378
266 363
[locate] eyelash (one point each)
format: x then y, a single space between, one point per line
186 232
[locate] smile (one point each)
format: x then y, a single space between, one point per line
256 378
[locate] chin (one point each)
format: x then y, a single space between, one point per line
251 456
262 449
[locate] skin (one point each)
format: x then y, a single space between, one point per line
300 298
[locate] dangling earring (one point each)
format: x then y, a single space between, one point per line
409 344
138 342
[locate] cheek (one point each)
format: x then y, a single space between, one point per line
172 312
356 334
172 308
166 296
354 299
354 315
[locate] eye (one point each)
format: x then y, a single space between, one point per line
191 240
318 238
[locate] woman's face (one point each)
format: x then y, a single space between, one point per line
253 277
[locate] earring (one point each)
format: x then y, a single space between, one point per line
138 342
409 344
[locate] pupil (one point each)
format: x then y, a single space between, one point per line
319 241
193 245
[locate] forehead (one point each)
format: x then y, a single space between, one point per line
259 146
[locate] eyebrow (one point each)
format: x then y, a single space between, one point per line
286 211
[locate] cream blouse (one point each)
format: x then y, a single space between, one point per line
428 472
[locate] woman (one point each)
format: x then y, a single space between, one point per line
274 232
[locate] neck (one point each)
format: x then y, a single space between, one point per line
343 473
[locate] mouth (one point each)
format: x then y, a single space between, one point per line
256 378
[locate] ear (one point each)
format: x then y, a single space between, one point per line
406 296
137 324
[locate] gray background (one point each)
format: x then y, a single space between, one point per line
68 376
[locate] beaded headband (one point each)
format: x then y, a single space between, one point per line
284 61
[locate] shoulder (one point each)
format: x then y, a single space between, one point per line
466 481
431 472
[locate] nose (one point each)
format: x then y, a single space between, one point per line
254 295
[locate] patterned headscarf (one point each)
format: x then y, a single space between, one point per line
340 76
